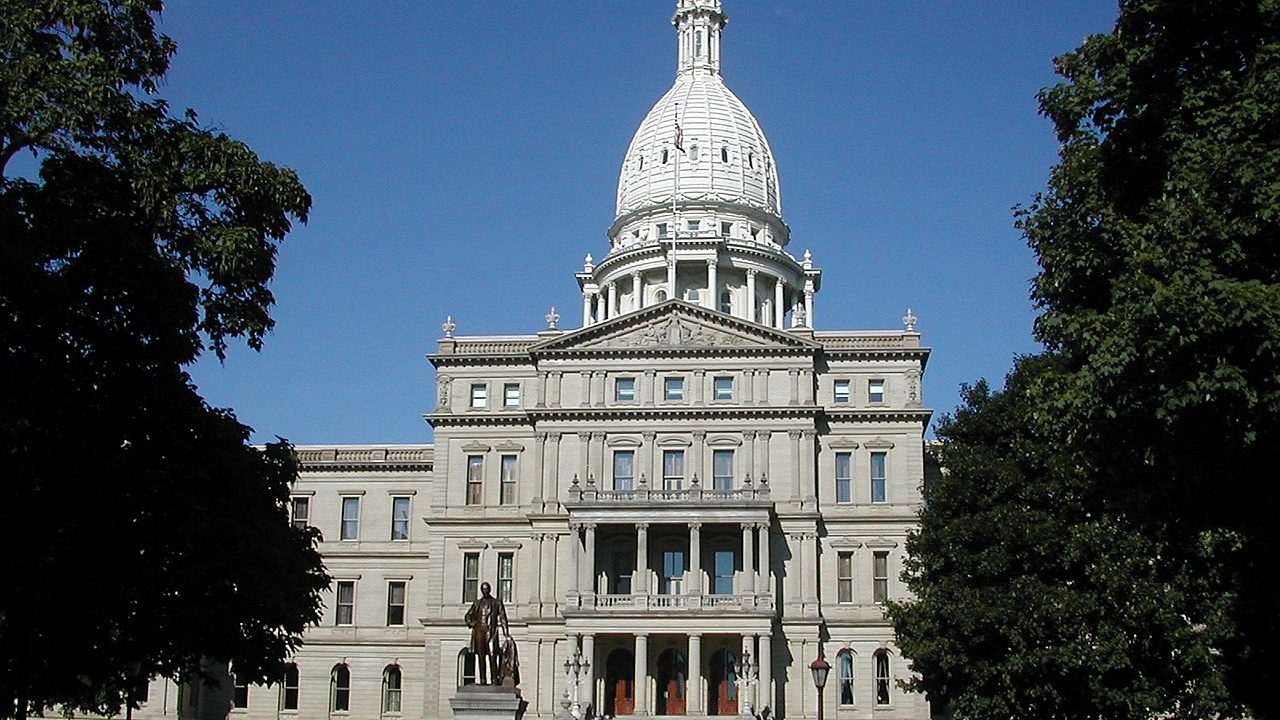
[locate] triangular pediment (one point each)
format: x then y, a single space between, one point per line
674 324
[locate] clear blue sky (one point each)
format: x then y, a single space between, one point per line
463 157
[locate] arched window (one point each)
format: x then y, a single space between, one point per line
751 160
466 668
882 677
391 680
844 674
660 296
664 156
340 689
724 153
726 302
694 152
289 688
641 162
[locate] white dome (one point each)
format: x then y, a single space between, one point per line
725 157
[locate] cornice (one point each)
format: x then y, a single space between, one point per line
879 415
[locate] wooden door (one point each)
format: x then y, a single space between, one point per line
673 677
723 698
620 685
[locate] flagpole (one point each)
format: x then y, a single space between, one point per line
675 209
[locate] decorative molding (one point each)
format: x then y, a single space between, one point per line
721 441
471 544
845 543
623 442
882 543
878 443
475 447
674 442
842 443
509 446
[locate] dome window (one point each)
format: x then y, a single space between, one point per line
660 296
641 162
693 152
724 153
664 157
726 302
662 229
697 43
751 160
694 225
726 229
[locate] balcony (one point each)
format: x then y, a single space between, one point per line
581 494
658 604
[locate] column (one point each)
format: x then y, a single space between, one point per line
695 561
694 695
765 658
748 389
791 588
575 559
548 577
591 559
751 295
696 462
600 308
748 452
597 457
795 385
748 560
809 577
553 392
649 388
765 585
699 390
637 291
542 389
540 471
642 674
640 583
613 299
808 303
589 682
584 458
586 309
795 464
551 480
712 295
778 311
535 587
645 455
807 475
761 391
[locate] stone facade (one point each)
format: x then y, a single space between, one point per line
695 490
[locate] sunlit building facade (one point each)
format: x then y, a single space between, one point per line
695 490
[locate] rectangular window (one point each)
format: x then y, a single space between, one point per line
346 609
879 483
289 689
470 577
350 518
395 602
726 229
672 580
475 480
624 470
506 577
842 391
662 230
239 693
673 388
300 512
722 470
880 576
509 468
479 395
882 678
672 469
844 477
844 577
694 225
399 518
875 391
511 395
624 389
724 388
724 563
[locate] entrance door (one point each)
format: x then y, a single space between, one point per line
673 674
723 698
620 685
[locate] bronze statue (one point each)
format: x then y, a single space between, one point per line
491 643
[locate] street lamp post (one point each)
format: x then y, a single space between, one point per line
820 668
576 668
746 672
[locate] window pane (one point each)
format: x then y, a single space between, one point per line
673 469
395 603
724 388
511 395
725 562
882 678
879 485
346 598
624 467
509 467
722 469
479 396
875 391
301 512
845 666
880 577
624 390
475 480
400 518
674 388
350 518
844 480
842 391
506 577
470 577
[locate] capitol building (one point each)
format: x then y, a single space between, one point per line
683 497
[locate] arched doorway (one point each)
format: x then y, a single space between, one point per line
722 698
620 683
673 674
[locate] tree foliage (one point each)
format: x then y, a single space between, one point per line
146 532
1159 244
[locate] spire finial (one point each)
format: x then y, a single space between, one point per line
698 27
910 320
449 326
553 317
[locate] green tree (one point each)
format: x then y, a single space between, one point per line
1159 243
145 531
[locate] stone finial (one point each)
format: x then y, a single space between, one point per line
449 326
798 317
808 260
553 317
588 264
910 320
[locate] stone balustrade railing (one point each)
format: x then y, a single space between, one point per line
629 602
868 340
588 492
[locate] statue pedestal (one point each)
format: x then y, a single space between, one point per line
485 702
